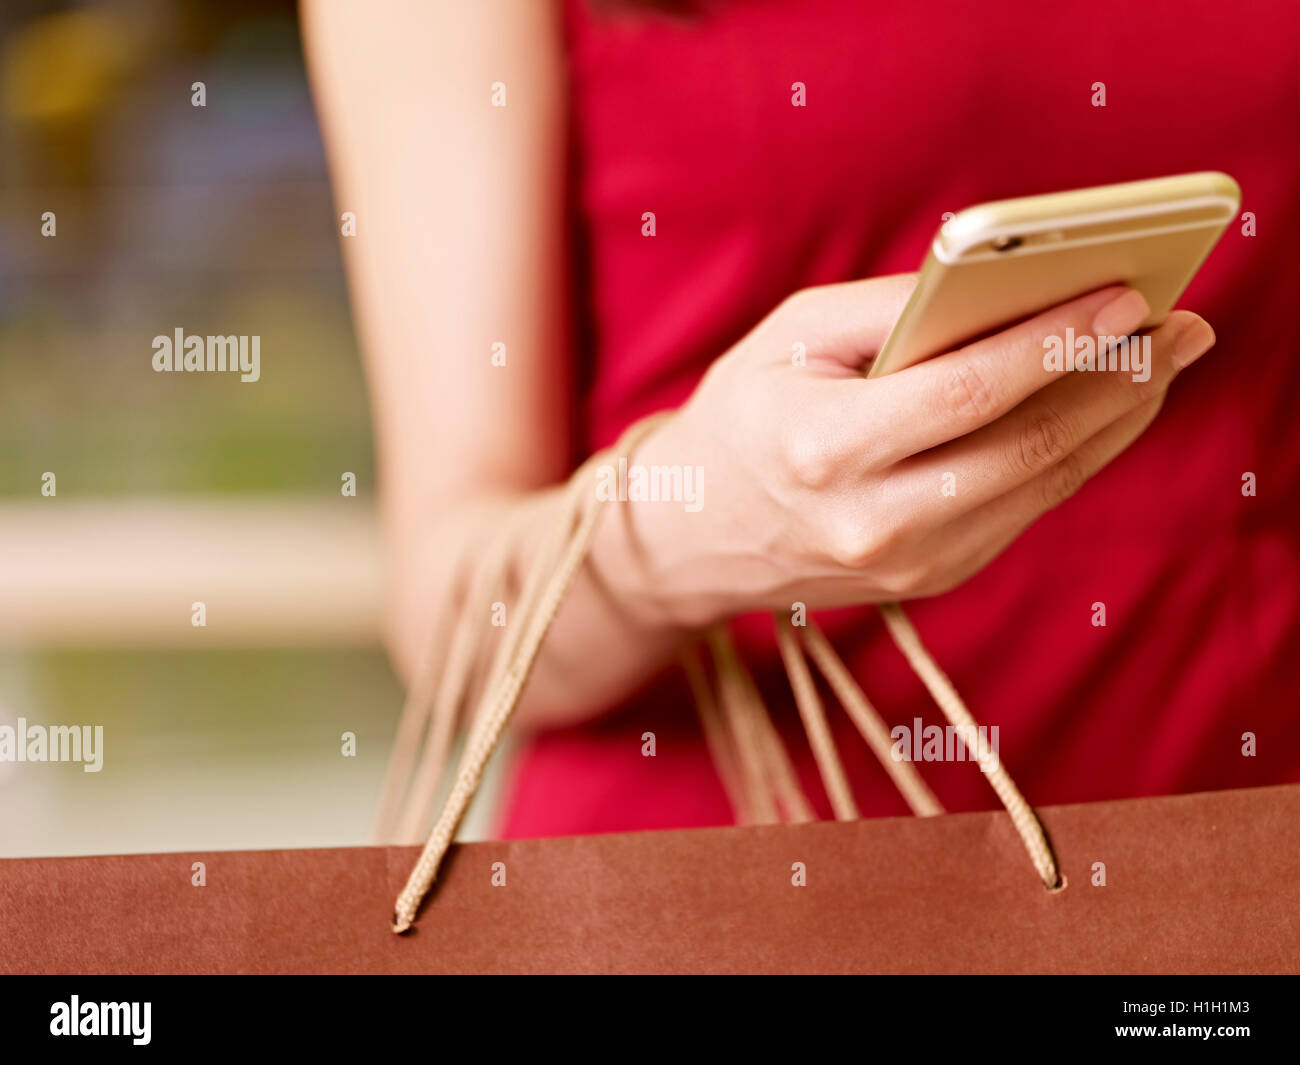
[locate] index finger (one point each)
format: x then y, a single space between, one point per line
950 395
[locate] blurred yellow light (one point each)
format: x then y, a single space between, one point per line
64 65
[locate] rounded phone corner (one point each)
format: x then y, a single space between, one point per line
1224 187
964 230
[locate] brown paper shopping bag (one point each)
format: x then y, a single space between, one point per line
1201 883
750 756
1205 883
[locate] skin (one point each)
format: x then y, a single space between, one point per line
821 486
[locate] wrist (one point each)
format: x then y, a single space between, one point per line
646 536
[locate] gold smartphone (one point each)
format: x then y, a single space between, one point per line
1000 262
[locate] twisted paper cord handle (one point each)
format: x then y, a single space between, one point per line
751 759
581 514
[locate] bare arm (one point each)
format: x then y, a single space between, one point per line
820 485
461 243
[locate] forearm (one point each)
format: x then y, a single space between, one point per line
606 640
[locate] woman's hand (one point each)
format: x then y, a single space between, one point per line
818 485
825 487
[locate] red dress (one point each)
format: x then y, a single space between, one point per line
914 108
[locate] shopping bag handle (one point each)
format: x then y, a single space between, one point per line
751 759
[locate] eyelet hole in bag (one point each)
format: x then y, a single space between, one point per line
1061 886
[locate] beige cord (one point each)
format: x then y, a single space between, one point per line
716 737
904 774
778 770
813 715
410 727
751 758
457 659
739 719
870 724
448 705
943 693
502 697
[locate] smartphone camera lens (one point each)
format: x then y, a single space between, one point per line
1006 243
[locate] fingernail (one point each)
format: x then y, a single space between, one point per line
1122 315
1192 343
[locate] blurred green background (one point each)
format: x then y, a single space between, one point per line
219 220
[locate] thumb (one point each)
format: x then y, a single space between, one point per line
844 324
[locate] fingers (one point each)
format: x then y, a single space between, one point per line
843 324
987 530
1047 429
948 554
949 396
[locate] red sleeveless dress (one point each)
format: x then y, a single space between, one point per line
914 108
